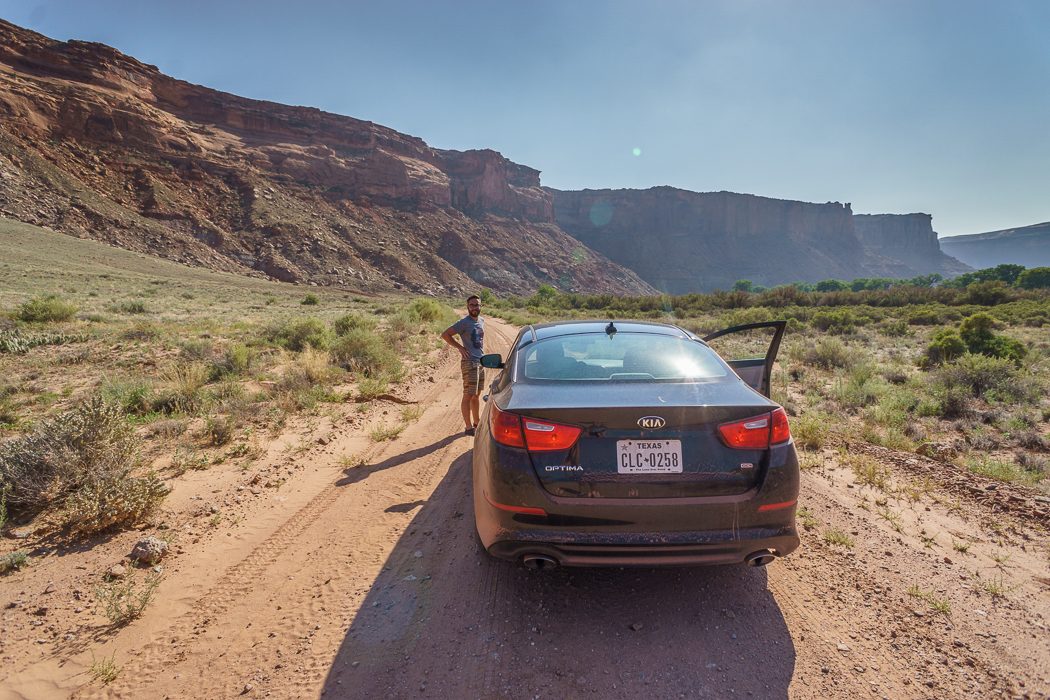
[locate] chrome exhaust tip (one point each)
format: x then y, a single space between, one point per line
539 562
759 558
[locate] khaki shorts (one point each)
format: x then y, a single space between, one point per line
473 377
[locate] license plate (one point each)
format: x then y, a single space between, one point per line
649 456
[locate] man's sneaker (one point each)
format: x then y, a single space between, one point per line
470 430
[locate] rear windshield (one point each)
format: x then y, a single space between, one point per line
622 356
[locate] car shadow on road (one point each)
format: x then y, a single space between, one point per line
443 619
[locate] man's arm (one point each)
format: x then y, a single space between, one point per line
449 336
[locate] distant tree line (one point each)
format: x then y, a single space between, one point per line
987 287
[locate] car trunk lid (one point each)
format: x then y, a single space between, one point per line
666 444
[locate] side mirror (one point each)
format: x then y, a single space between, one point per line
493 361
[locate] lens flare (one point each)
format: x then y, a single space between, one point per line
601 212
636 151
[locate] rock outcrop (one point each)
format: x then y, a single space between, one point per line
97 144
903 245
1027 245
681 241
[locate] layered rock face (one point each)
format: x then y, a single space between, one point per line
1027 245
903 245
97 144
683 242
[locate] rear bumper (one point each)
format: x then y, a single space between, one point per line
517 517
622 549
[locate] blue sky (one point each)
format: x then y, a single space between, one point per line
896 106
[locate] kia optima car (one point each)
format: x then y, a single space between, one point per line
633 444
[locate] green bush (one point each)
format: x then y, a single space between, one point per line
348 322
839 321
984 376
828 353
45 309
976 331
427 310
366 352
66 452
945 346
134 397
236 360
301 333
310 300
136 306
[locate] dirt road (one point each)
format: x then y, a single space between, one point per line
364 580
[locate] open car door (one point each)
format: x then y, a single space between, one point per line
755 371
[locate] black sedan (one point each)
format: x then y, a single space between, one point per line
633 444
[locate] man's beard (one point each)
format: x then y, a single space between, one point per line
474 314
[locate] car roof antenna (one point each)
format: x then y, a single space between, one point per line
610 329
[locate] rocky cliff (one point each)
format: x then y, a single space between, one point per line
1027 245
903 245
97 144
682 241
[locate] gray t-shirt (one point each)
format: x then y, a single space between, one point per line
472 335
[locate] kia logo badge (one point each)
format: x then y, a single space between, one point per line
651 422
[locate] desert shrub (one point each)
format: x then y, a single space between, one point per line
945 346
427 310
828 353
135 306
947 401
858 389
1033 464
838 321
977 332
123 601
925 316
400 328
236 360
896 328
992 378
112 499
63 453
45 309
367 353
987 293
372 387
134 396
13 561
300 333
310 300
348 322
219 430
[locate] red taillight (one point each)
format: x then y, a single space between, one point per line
541 436
757 433
750 434
506 428
780 433
537 436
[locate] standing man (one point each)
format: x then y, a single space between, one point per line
471 332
